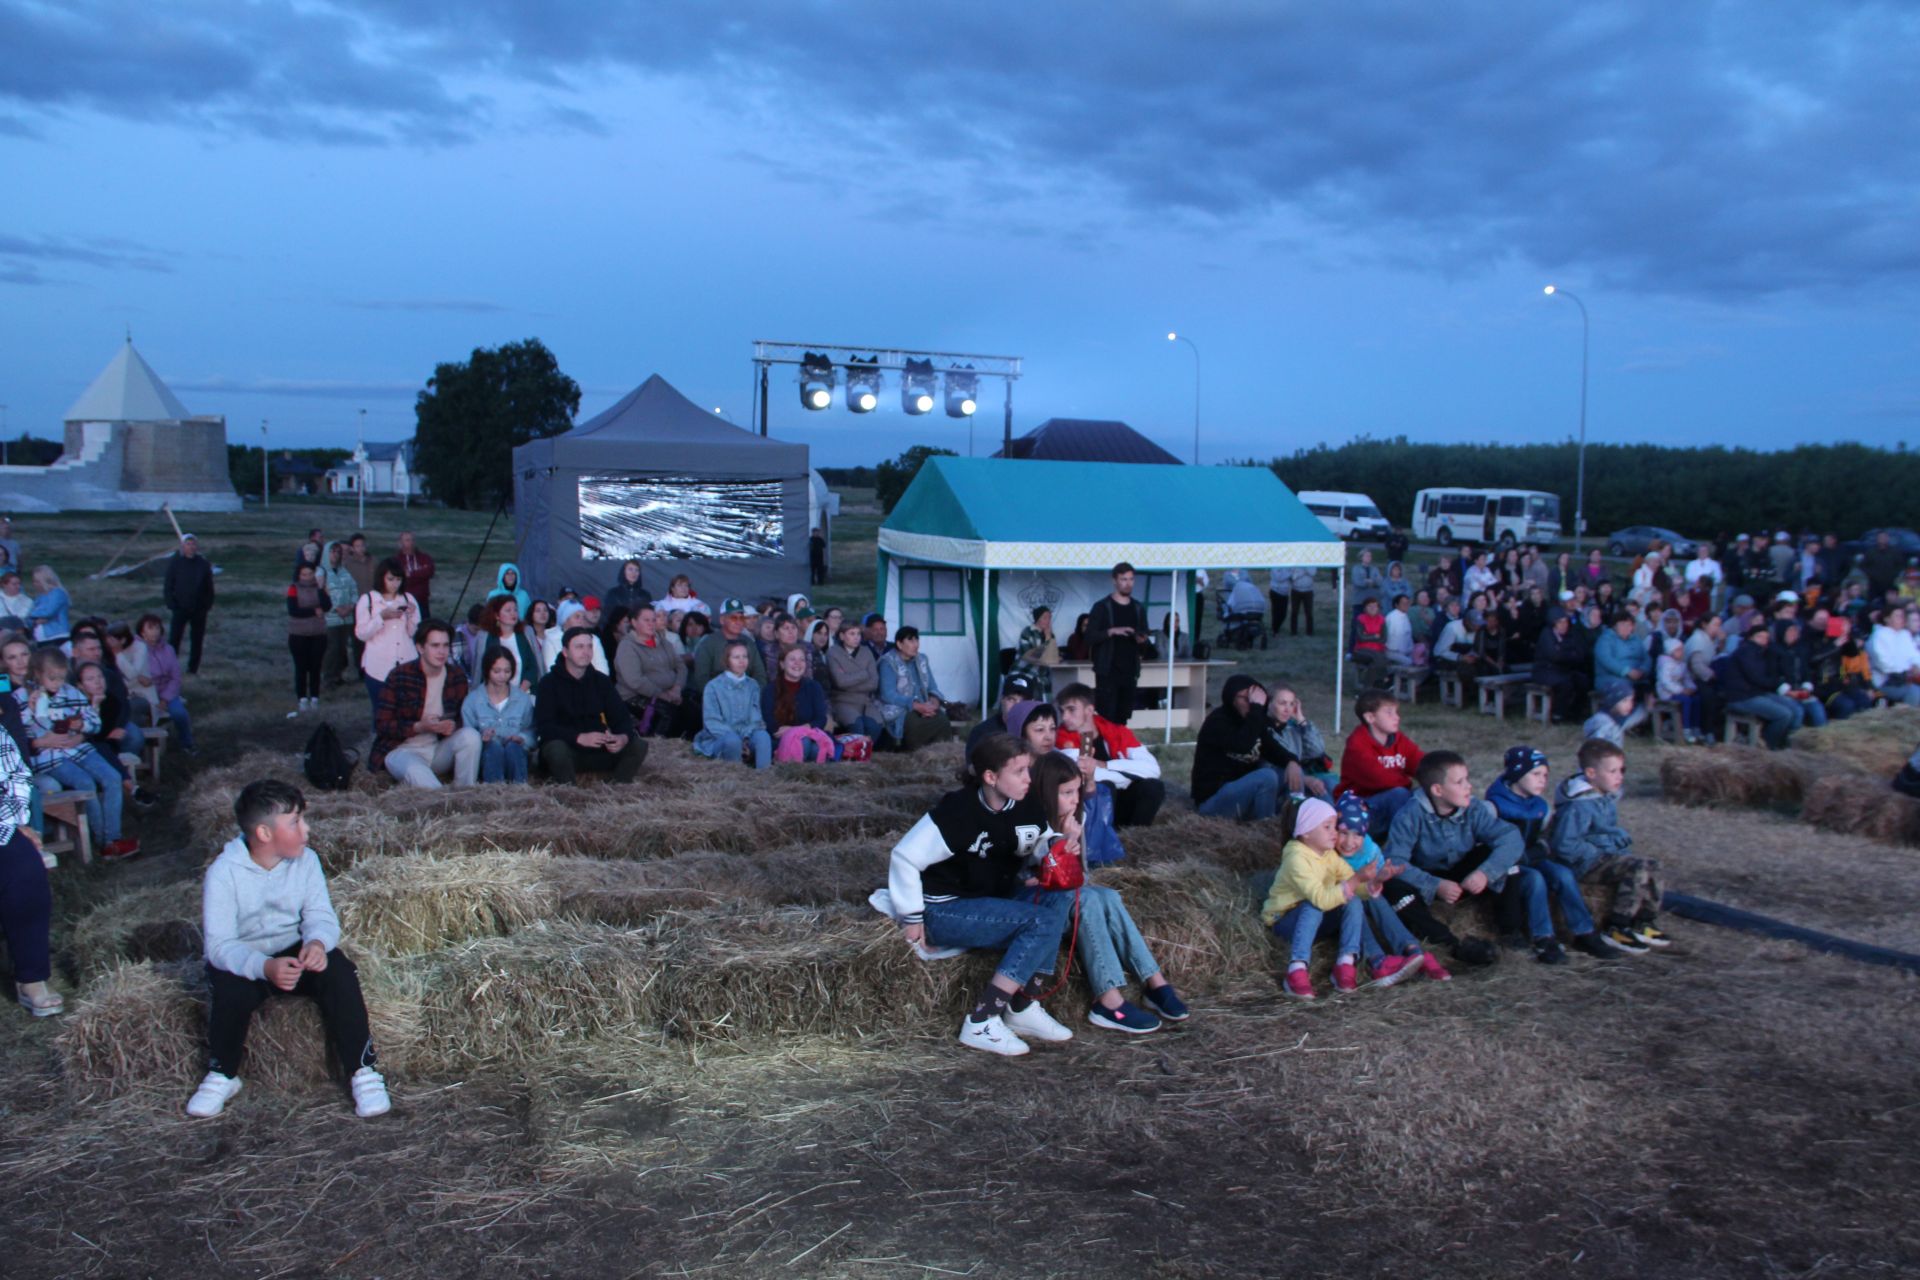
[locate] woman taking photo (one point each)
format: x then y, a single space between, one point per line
953 881
385 620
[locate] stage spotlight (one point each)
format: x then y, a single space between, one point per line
816 381
863 384
961 387
917 386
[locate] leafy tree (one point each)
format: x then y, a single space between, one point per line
890 479
472 415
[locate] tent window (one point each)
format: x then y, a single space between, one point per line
679 518
933 601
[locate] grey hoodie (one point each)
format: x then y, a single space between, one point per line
249 914
1586 827
1429 843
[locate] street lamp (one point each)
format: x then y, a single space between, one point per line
360 467
1174 337
1580 484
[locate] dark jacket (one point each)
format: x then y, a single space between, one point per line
1746 674
1559 658
189 586
564 708
1117 654
1788 664
403 699
1527 813
1229 744
809 704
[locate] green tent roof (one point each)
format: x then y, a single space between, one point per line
999 513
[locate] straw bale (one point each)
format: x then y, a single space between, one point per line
1730 775
1858 805
156 922
1240 847
137 1026
1200 920
406 905
1876 742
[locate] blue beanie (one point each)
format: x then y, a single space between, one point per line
1520 762
1353 811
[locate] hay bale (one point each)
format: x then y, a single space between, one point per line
1239 847
1199 919
1728 775
138 1026
1858 805
1876 742
407 905
157 922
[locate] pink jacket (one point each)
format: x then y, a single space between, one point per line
388 641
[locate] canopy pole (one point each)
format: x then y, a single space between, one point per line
988 697
1173 635
1340 653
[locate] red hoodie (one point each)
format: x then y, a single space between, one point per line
1367 768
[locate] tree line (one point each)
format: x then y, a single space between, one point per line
1697 491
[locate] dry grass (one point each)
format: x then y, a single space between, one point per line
1744 776
1862 805
1875 742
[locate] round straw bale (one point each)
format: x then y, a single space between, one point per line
1730 775
1859 805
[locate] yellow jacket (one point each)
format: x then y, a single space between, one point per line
1306 875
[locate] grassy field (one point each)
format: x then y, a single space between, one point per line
658 1033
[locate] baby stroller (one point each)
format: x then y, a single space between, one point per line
1239 629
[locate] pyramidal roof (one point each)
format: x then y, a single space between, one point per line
127 390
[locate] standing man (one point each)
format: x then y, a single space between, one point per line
581 721
344 591
189 597
1117 630
817 558
419 570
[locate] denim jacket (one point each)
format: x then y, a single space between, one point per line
512 719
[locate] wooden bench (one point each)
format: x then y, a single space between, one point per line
1540 703
1668 725
68 809
1406 683
1493 691
1452 691
155 752
1745 729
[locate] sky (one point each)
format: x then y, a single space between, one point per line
299 209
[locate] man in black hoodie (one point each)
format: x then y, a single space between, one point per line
1230 780
580 720
189 596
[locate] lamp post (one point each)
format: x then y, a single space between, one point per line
1580 483
265 501
360 467
1175 337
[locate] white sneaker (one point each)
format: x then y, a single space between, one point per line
1037 1023
991 1036
295 713
52 860
211 1098
370 1093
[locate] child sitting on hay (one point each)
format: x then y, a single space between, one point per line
270 926
1519 795
1587 838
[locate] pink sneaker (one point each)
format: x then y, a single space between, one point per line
1298 985
1392 969
1434 969
1345 980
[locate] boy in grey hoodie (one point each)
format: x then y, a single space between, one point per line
270 926
1586 837
1453 844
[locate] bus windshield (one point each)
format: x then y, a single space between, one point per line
1544 508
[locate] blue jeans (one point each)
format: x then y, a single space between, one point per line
1385 934
1527 889
373 692
87 771
1564 887
1382 806
1899 690
502 761
1109 943
725 744
1849 702
867 725
1778 716
182 723
1812 713
1255 796
1027 933
1304 923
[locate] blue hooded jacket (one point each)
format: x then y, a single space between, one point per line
518 590
1528 813
1586 827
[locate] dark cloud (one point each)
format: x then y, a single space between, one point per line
21 257
1715 148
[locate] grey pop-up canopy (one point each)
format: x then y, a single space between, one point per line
660 479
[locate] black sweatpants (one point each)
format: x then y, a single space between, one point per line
565 761
1135 804
1416 913
335 988
308 653
197 621
1113 694
1302 608
1277 611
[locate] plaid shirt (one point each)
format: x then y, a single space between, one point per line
403 700
16 789
40 713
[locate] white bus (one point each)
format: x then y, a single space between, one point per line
1493 517
1351 516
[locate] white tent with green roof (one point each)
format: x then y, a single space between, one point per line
975 544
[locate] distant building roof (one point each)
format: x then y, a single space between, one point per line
127 390
388 451
1087 440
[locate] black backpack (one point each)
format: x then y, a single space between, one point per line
328 765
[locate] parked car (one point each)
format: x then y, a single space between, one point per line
1350 516
1636 539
